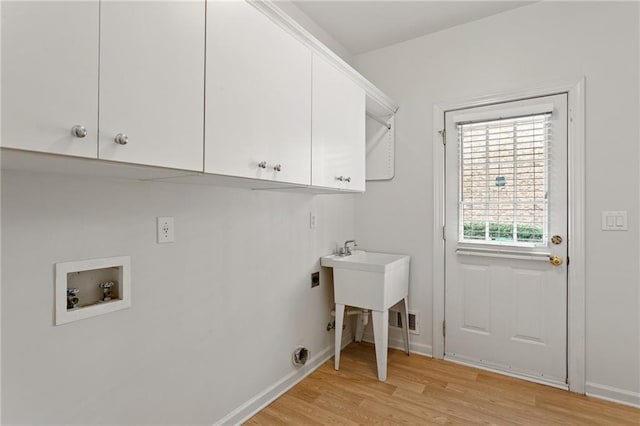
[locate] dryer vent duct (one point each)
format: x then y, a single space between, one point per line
300 356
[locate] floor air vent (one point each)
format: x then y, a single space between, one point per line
395 320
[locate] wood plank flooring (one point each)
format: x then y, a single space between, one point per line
423 391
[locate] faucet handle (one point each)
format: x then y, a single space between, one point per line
347 247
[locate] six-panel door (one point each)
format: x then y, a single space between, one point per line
258 97
152 82
338 129
50 76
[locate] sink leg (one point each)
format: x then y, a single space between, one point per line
338 330
404 311
381 337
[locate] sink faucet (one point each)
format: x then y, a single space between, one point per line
346 250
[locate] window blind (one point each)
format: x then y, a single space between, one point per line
504 167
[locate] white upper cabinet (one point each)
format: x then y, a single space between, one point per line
142 82
258 97
152 82
338 128
50 76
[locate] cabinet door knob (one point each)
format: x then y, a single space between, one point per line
277 167
121 139
347 179
78 131
262 165
340 178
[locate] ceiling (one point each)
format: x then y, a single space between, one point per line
362 26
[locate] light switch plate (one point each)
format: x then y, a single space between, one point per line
614 221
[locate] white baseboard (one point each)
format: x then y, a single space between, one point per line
247 410
612 394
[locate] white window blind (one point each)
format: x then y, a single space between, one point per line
504 167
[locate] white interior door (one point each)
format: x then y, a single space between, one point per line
506 237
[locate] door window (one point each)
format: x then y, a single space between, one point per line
504 180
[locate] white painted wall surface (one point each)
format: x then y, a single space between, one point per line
0 227
215 315
523 48
288 7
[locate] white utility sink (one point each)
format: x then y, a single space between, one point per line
375 281
368 280
365 261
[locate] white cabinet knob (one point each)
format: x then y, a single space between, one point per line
78 131
121 139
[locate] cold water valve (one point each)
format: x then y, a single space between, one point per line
72 298
106 291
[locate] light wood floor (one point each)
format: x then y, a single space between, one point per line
422 391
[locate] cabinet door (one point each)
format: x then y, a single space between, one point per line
338 129
50 76
152 82
258 97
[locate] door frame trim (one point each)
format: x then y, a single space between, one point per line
576 271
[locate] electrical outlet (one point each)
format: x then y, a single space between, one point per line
315 279
165 230
313 220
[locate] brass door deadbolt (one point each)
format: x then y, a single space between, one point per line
556 239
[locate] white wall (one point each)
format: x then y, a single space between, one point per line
0 235
526 47
215 315
316 30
